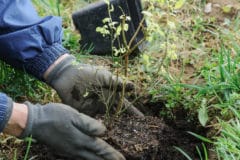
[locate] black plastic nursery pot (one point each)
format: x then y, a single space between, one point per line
87 19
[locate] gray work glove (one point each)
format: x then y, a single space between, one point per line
69 132
85 87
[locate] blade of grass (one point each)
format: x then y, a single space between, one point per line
29 140
183 152
199 153
204 139
205 151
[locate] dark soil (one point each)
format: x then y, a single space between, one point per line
148 138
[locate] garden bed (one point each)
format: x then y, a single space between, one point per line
148 138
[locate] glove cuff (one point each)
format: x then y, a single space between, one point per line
6 107
59 69
28 130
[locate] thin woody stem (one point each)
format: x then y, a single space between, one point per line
136 33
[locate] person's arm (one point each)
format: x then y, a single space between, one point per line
17 120
28 41
13 116
5 110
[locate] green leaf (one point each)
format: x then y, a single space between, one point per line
125 27
183 153
204 139
179 4
226 9
118 31
103 30
202 113
106 20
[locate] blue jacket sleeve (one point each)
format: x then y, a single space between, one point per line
28 41
6 106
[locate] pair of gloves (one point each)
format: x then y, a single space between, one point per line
68 130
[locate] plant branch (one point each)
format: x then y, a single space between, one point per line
136 33
123 31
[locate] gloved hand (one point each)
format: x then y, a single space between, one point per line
69 132
85 87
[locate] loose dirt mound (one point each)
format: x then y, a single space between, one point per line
149 139
137 138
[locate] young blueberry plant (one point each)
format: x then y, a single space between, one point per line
116 30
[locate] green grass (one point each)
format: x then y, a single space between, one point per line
227 144
20 86
202 156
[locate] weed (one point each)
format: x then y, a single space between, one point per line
227 145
